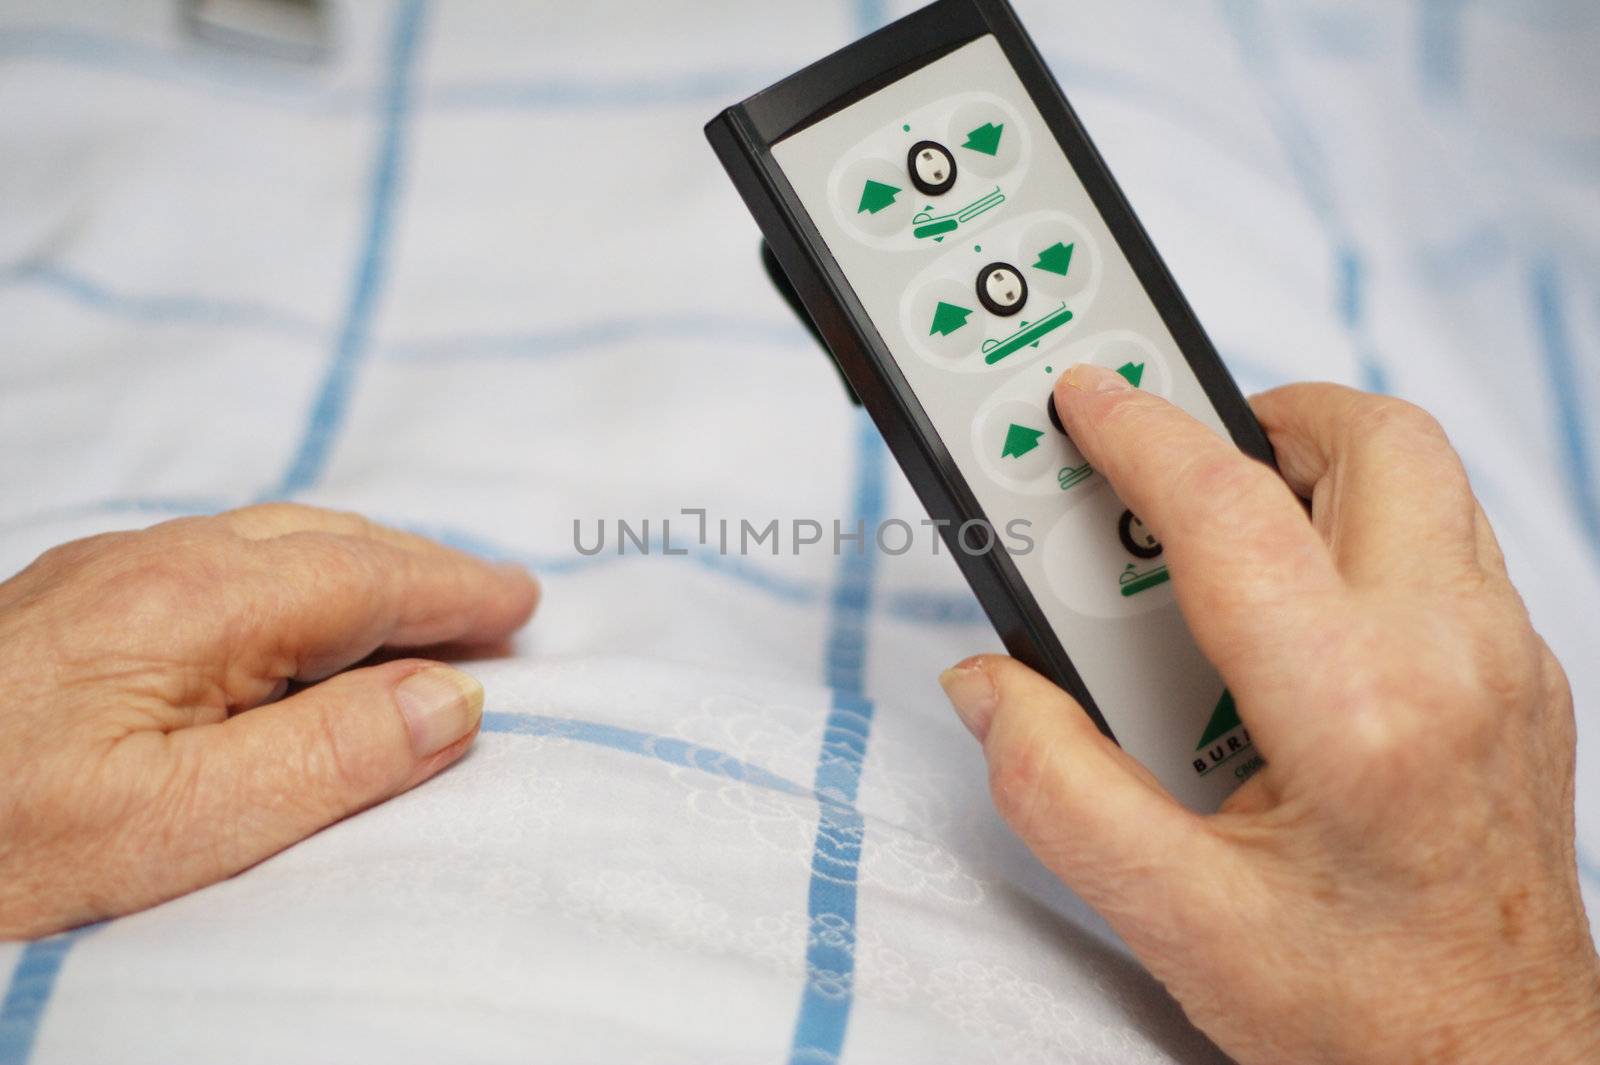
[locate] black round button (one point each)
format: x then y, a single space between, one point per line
932 167
1055 417
1136 538
1001 289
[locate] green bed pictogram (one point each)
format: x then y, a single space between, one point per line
1072 476
929 224
1133 581
995 350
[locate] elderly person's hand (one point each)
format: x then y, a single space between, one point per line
1398 884
145 747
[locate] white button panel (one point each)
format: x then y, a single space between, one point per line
985 292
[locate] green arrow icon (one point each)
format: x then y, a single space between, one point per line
947 318
1224 719
1056 259
875 196
1134 372
985 139
1020 440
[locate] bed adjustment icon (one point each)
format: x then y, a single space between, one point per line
1139 542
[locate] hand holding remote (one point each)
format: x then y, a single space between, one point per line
1399 883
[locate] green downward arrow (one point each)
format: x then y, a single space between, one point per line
875 196
985 139
1056 259
1224 719
1020 440
1134 372
947 318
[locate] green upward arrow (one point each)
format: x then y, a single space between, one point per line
1056 259
985 139
1134 372
947 318
1020 440
875 196
1224 719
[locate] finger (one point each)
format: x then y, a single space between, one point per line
318 602
264 521
1236 539
260 781
1388 492
1087 810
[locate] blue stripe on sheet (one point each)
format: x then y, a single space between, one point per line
700 87
1308 163
333 400
829 990
870 14
702 329
32 983
190 309
275 84
1439 48
1352 309
215 70
1566 395
661 748
168 308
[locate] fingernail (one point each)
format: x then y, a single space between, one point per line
1089 378
440 705
972 693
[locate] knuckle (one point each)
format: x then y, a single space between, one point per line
74 554
1382 732
351 769
157 583
261 520
1386 416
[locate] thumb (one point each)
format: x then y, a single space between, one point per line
1094 816
271 776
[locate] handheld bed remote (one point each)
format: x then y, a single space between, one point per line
958 243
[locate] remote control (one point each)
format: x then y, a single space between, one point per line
958 243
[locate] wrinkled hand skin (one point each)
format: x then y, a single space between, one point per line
146 749
1398 885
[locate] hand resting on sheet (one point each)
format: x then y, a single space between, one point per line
130 771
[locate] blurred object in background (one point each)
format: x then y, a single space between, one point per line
285 29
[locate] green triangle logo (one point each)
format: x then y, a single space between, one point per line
1224 719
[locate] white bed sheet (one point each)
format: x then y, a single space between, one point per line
480 276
